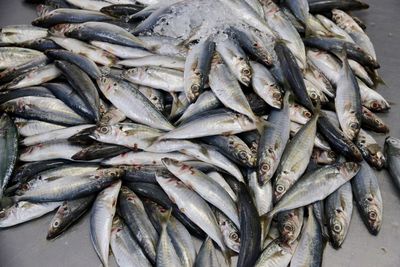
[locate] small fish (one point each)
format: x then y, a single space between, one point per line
367 196
338 210
370 121
101 218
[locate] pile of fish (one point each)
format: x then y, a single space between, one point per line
244 124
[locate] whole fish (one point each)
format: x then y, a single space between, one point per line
217 122
295 158
338 210
68 213
203 185
68 15
25 211
105 32
316 185
273 142
9 150
155 193
196 69
367 196
49 150
127 98
227 89
101 218
132 211
134 136
192 205
310 247
125 248
70 187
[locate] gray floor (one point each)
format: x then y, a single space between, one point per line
26 245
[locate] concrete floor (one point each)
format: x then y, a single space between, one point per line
26 244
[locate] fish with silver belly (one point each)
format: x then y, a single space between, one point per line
392 152
367 196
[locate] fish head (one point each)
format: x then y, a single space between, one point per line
377 105
107 85
376 157
282 184
231 234
104 133
265 170
349 169
290 223
372 208
392 146
338 227
57 223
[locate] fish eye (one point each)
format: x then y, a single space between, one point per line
56 223
265 167
331 154
337 228
246 72
314 96
104 130
372 215
288 228
280 188
307 114
233 236
354 125
242 155
277 96
195 88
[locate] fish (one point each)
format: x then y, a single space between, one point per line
16 56
372 99
169 62
49 151
229 231
125 96
300 9
16 34
9 150
192 205
295 158
317 185
122 10
203 185
196 69
227 89
68 15
124 246
236 60
250 228
290 224
24 211
217 122
70 187
131 209
338 210
317 6
371 150
367 196
392 146
101 218
99 151
272 142
323 156
265 85
370 121
67 214
310 246
11 73
262 195
144 158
